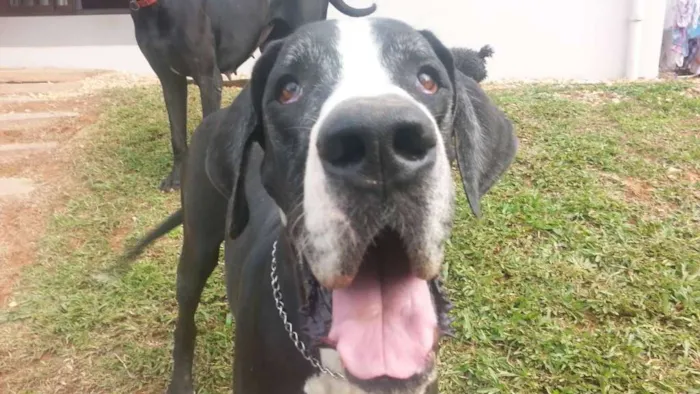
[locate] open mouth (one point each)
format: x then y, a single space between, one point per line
386 324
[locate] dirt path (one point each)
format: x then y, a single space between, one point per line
41 114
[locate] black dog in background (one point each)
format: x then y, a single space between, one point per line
204 39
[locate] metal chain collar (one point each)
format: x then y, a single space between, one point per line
301 347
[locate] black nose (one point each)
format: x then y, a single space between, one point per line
377 142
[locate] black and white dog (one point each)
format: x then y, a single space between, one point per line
337 158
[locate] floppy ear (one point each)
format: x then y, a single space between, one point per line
483 137
484 140
227 154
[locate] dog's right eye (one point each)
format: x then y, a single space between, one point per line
289 92
427 83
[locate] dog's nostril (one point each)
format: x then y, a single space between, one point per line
411 142
344 150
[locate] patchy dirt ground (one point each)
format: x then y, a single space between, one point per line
41 115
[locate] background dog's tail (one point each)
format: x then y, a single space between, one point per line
165 227
485 51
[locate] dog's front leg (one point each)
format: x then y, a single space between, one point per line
175 95
198 259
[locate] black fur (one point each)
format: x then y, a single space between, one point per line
471 62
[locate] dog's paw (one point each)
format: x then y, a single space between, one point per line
171 182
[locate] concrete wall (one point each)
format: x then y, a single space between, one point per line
81 41
533 39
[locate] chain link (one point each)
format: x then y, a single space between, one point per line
277 294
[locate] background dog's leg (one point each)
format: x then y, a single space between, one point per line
210 87
175 95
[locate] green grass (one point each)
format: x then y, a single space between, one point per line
583 276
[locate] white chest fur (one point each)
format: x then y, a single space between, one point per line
325 384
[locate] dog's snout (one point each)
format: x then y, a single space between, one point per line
344 147
378 141
412 141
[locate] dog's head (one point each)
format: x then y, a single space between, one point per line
360 121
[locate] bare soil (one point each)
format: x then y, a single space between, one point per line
41 114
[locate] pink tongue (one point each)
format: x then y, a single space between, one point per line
383 328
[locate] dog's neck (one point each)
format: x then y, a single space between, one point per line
292 273
289 273
314 310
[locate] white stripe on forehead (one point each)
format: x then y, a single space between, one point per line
361 73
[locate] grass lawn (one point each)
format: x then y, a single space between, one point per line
583 276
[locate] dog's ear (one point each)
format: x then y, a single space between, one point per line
231 126
236 131
238 213
261 70
484 141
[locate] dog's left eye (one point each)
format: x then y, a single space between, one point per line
289 93
427 83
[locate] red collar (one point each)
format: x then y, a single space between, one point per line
142 3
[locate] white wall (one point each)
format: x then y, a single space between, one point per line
539 39
652 37
75 41
533 39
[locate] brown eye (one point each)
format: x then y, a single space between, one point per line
427 83
290 93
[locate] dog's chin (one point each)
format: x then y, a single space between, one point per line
415 384
326 384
